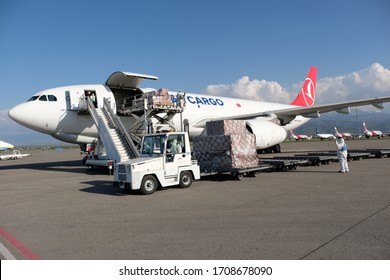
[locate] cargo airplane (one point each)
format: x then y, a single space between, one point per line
55 111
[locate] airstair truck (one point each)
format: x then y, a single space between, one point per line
165 160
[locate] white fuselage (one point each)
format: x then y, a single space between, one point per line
374 133
55 112
326 136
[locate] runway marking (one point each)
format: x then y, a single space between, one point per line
6 253
19 246
345 231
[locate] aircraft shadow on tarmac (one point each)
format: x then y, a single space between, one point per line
72 166
319 171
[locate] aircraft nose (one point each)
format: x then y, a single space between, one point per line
29 116
18 114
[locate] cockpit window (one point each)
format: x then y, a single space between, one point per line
35 97
43 97
52 98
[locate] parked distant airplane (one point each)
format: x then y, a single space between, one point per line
325 136
373 133
56 111
5 146
15 155
346 135
299 136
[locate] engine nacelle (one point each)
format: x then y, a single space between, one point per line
267 133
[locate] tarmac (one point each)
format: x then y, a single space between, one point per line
53 208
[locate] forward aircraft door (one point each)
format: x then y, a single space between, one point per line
73 97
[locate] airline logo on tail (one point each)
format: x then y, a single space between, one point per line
306 96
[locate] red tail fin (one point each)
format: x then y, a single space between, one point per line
307 94
365 127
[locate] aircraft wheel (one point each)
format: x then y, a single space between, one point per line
277 148
84 160
185 179
149 184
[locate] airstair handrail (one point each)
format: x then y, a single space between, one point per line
118 124
92 110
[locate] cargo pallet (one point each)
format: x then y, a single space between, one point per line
310 159
284 163
378 153
237 173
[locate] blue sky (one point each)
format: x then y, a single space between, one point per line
189 45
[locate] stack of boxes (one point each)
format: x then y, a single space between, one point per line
225 145
160 98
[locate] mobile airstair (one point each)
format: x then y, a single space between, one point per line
114 143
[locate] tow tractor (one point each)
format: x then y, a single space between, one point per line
165 160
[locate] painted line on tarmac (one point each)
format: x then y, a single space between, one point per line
345 231
6 253
19 246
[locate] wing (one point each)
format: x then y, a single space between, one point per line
341 107
288 113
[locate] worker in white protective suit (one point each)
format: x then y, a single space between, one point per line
342 153
176 147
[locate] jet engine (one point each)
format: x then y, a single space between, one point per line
268 134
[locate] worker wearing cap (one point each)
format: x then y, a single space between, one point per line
342 153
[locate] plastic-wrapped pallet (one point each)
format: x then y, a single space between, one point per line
162 98
225 145
225 127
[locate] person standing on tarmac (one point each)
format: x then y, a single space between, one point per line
342 153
